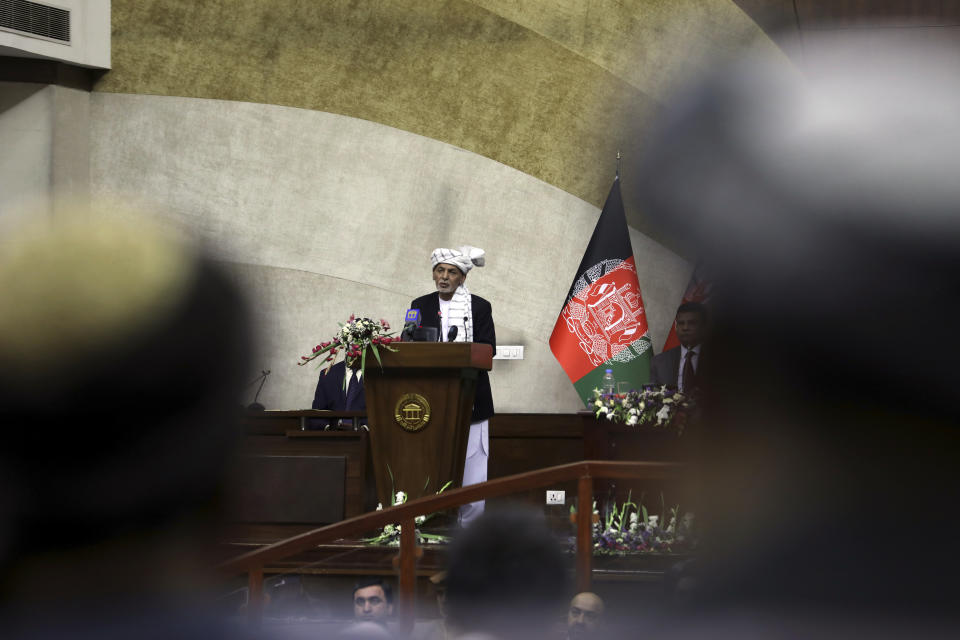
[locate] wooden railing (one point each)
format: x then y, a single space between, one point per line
585 472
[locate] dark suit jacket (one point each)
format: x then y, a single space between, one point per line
483 331
665 367
331 396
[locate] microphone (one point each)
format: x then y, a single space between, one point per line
466 334
439 325
452 334
411 320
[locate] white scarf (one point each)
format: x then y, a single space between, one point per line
460 314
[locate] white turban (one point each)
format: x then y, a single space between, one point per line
464 258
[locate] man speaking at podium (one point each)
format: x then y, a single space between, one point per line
463 317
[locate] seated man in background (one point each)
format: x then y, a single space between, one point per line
678 367
332 395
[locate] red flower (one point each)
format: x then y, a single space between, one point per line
386 340
325 344
376 341
304 358
316 348
352 317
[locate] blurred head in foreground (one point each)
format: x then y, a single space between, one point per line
121 355
506 576
828 207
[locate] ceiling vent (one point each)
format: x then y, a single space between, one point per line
35 19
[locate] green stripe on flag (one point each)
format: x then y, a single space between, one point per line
629 375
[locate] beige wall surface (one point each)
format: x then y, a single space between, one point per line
26 138
322 215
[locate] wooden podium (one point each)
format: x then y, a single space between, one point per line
419 407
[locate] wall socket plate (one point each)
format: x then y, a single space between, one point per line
556 497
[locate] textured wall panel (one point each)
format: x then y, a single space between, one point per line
326 215
652 44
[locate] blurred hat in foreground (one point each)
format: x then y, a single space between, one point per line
122 352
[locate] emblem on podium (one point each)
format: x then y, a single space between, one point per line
412 412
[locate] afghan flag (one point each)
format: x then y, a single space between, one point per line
698 290
603 324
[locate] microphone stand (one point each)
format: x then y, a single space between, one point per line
256 406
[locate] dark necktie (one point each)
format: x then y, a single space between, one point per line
352 391
689 375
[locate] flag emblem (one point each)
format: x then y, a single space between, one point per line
607 316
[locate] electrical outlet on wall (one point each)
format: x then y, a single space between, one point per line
556 497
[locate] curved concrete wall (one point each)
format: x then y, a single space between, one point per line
553 89
323 215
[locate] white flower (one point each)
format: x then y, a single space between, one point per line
389 530
632 420
420 519
652 520
379 506
400 498
663 415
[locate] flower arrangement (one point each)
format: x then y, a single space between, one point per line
354 339
629 529
390 534
650 406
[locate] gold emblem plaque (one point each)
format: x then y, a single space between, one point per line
412 412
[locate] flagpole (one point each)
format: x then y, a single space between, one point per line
618 164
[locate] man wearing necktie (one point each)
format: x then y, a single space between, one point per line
678 367
331 394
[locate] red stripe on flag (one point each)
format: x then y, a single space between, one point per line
599 322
